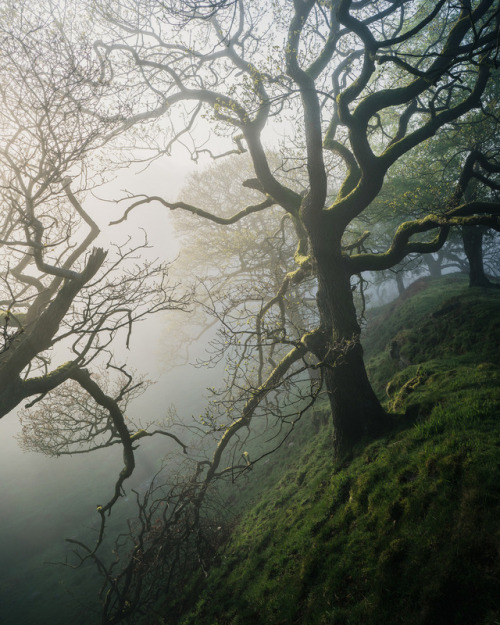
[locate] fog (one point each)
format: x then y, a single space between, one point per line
45 500
333 175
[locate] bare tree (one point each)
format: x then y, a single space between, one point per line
244 271
65 303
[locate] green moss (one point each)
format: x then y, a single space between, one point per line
407 531
406 539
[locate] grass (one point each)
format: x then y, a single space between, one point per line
405 532
439 320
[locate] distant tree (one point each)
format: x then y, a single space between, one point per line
435 167
243 272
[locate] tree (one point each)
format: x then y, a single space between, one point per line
365 82
244 271
435 168
353 88
64 302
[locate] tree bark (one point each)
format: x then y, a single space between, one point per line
400 282
472 237
356 412
433 264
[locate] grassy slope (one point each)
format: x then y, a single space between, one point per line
408 531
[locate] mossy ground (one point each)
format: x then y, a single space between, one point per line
408 530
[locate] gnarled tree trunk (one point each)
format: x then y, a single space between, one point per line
356 411
433 265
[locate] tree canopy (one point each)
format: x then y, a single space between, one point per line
354 88
65 303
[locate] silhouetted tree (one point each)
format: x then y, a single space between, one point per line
366 82
65 302
352 88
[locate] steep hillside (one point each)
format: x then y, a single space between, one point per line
408 530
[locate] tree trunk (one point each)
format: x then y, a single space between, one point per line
433 264
356 411
472 237
400 282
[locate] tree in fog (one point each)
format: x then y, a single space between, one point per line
362 84
64 303
245 269
345 92
435 167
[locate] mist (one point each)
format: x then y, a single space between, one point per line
47 500
249 312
